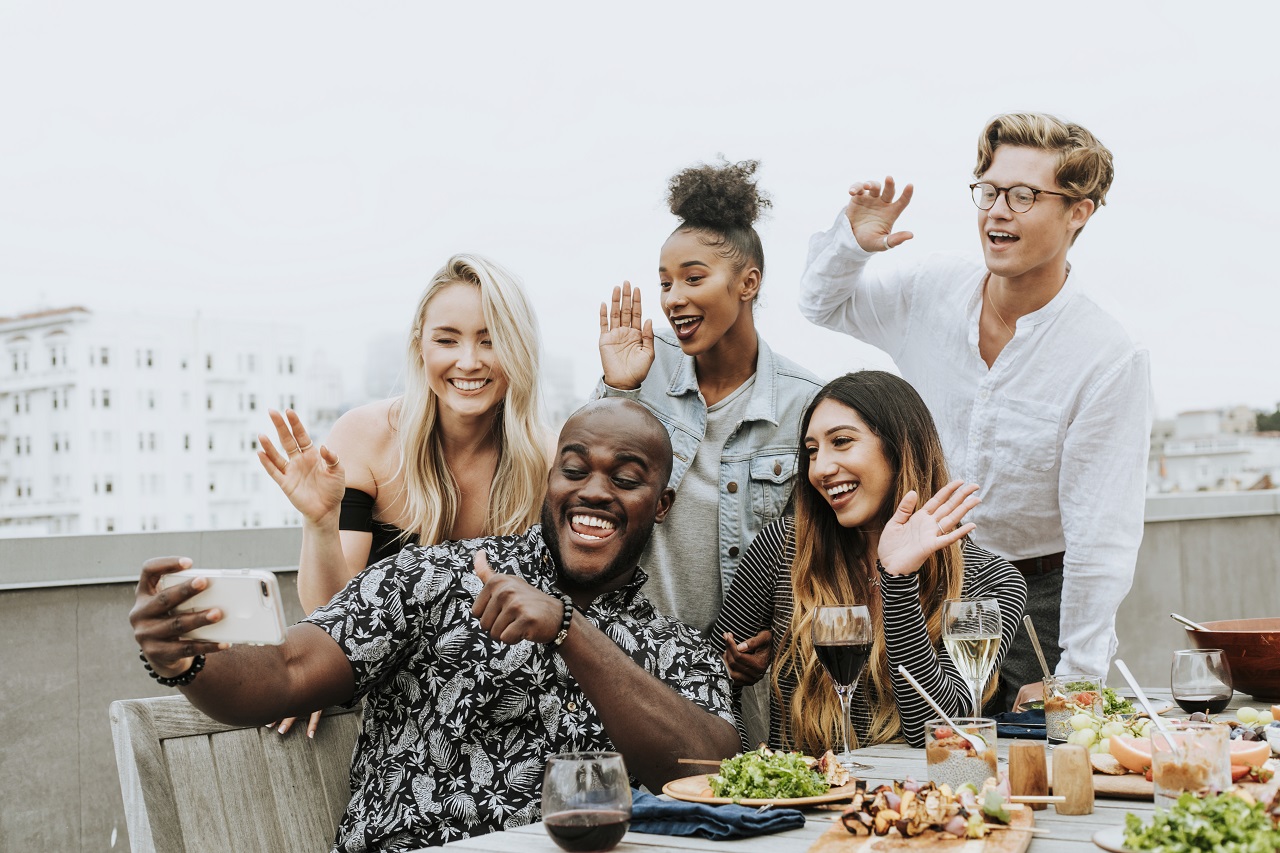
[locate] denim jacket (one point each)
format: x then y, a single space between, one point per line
758 465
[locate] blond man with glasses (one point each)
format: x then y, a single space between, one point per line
1040 396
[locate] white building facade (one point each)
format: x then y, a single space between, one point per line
114 423
1212 450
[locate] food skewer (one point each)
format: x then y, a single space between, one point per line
1194 626
705 761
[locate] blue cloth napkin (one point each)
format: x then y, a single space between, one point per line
672 817
1024 724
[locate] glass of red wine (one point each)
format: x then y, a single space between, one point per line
1200 680
586 800
842 640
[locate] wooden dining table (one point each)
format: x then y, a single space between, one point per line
1064 834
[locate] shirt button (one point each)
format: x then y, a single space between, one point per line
572 706
733 488
733 550
777 468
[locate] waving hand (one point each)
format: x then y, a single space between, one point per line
308 474
912 535
626 343
872 212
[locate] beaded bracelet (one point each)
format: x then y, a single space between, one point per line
564 624
182 680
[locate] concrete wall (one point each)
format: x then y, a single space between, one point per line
68 653
68 650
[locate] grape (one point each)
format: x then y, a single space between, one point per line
1080 722
1265 719
1086 737
1111 728
1247 714
1104 745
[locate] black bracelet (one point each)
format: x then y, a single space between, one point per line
564 624
197 664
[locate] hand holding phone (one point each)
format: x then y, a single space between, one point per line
252 613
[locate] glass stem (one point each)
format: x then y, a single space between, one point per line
843 693
976 688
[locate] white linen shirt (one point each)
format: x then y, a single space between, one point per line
1055 433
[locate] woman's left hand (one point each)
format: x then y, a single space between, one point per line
912 535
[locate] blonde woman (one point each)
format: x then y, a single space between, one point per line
463 453
877 522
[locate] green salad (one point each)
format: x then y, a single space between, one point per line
1222 822
1113 704
763 774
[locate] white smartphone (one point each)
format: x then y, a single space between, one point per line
249 600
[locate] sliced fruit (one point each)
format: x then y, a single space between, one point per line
1133 753
1253 753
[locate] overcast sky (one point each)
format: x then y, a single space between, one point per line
316 162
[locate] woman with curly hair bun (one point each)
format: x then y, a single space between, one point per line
730 403
878 521
462 453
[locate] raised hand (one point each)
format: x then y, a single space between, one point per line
511 610
912 535
748 660
308 474
626 343
872 212
158 629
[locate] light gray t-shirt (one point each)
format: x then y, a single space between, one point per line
682 559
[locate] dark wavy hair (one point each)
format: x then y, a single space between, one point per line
722 203
832 565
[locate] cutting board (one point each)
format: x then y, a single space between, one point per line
1132 786
837 839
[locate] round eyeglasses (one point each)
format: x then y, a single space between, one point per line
1020 199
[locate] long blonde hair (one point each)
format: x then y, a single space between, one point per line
832 565
519 483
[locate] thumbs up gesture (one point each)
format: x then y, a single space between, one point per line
511 610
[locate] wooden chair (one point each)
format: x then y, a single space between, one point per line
191 784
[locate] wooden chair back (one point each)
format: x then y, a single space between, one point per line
191 784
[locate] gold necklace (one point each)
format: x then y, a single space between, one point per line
990 300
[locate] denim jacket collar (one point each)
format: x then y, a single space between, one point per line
763 405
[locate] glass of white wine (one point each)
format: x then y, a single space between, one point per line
971 635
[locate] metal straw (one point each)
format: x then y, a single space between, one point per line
978 743
1035 644
1142 697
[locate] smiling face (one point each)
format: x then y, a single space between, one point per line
606 490
457 352
704 295
847 465
1017 244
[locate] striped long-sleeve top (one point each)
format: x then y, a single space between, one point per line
761 598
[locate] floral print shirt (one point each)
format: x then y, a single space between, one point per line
457 725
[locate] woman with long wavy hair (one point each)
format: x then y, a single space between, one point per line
877 522
462 453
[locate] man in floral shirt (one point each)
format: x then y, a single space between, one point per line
469 677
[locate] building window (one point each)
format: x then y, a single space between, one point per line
111 525
208 402
211 485
186 441
252 362
104 356
253 402
150 359
151 399
141 443
211 442
106 398
208 361
151 441
106 485
53 357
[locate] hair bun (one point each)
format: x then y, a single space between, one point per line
720 196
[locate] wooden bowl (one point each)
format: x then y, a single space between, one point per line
1252 650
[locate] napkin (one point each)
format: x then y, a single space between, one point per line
672 817
1023 724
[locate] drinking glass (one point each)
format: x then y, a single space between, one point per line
1197 756
971 635
842 640
586 800
1200 680
952 760
1067 695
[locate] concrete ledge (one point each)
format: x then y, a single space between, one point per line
55 561
1198 505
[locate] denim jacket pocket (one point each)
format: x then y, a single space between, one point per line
1027 433
771 477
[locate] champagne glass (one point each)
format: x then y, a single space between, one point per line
971 635
1200 680
842 640
586 800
